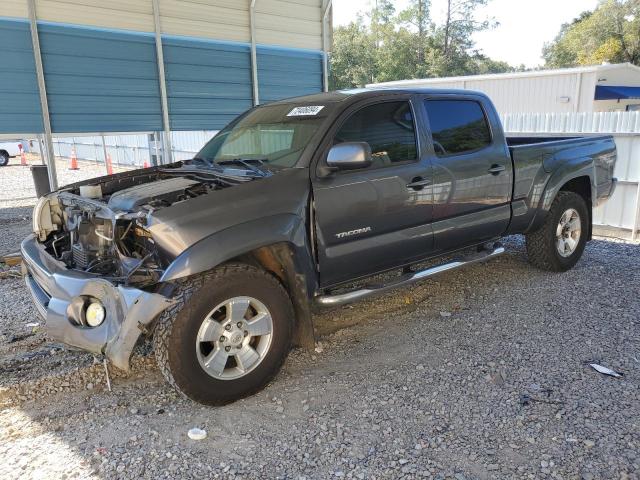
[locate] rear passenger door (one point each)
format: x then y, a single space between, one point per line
379 217
472 171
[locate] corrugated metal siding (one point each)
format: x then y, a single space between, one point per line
291 23
208 83
100 80
522 94
594 122
215 19
587 91
278 22
187 144
14 8
122 14
100 65
286 73
535 94
19 100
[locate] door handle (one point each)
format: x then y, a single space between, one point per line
497 169
419 183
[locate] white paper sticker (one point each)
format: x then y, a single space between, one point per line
304 111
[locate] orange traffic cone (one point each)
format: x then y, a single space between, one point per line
23 156
73 163
145 164
109 166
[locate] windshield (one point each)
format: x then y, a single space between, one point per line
275 135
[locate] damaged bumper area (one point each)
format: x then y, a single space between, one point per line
62 296
94 264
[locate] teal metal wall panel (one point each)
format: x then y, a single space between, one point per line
100 80
288 72
208 82
19 98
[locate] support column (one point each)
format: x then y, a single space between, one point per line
325 48
166 137
578 93
636 212
254 55
48 153
104 152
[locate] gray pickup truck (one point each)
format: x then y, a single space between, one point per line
223 258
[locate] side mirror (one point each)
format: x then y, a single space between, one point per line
349 156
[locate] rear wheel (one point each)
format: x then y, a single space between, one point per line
559 243
227 336
4 159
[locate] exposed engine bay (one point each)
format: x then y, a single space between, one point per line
99 226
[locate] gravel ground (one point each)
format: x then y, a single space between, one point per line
481 373
16 183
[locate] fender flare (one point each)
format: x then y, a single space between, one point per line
582 167
285 231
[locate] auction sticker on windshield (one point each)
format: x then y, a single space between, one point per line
306 110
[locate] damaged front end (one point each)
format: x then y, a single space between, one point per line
92 265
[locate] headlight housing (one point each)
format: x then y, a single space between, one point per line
47 216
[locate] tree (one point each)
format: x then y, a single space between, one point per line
418 16
457 32
352 56
610 33
481 64
384 46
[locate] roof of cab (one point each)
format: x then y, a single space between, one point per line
358 93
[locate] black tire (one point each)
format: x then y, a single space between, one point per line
541 244
177 329
4 159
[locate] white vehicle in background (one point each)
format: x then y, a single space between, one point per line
8 150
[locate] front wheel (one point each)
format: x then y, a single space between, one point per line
4 159
559 243
227 336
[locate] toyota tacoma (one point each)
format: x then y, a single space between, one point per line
223 259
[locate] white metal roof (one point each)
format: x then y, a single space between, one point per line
504 76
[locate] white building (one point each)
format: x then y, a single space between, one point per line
600 88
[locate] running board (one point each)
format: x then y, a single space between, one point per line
344 298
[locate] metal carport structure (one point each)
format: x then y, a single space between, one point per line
80 66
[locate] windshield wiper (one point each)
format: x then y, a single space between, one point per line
246 162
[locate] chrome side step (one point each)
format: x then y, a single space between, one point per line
344 298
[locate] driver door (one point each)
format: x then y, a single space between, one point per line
379 217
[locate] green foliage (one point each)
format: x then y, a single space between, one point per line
611 33
353 57
386 45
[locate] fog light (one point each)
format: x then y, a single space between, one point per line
94 314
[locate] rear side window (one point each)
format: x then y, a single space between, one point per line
389 130
457 126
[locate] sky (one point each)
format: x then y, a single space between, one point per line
525 25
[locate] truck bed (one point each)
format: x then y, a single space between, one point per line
536 159
528 152
517 141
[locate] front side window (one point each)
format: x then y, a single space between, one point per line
457 126
389 130
271 134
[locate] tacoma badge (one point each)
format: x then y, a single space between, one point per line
353 232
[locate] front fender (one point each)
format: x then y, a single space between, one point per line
234 241
288 233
